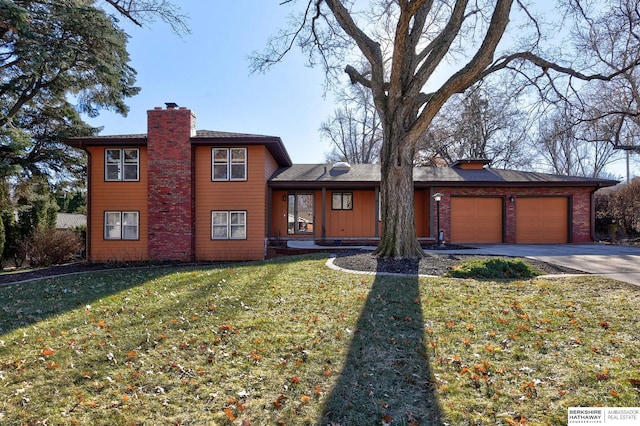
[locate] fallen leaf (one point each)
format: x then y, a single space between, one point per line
229 414
604 375
635 382
47 352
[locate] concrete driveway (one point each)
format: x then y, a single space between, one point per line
611 261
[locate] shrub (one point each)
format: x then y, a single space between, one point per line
619 205
49 247
498 268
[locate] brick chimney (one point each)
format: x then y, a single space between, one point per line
171 191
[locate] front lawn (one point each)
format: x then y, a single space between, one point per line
293 342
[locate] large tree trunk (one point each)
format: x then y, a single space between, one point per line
398 238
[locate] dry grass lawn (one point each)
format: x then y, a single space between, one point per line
292 342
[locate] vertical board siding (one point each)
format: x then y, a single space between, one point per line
421 202
246 196
117 196
356 223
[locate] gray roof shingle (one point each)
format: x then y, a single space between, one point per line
362 175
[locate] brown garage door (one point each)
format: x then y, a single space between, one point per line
476 219
542 220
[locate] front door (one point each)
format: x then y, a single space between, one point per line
300 214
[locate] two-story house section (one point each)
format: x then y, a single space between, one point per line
176 193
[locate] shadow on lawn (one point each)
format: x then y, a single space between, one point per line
25 303
386 375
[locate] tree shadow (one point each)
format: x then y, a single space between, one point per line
386 377
25 303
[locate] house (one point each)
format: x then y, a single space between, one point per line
177 193
70 221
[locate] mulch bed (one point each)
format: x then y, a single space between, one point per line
431 264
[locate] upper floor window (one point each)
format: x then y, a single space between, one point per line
122 164
229 164
121 225
342 201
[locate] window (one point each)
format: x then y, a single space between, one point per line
342 201
300 214
229 164
121 225
229 225
122 164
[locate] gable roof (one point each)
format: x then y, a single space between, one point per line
368 175
203 137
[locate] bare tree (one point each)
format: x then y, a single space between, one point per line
484 122
573 149
407 43
354 129
142 12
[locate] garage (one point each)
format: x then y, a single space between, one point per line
542 220
476 219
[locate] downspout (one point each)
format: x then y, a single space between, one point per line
376 222
267 239
193 256
89 195
592 210
324 215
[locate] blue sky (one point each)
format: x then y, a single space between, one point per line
208 72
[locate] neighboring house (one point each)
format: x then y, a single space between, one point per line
175 193
70 220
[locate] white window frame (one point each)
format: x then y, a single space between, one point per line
121 225
224 228
122 163
233 166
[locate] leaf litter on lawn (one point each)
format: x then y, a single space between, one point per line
268 343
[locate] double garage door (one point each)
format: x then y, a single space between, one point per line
481 219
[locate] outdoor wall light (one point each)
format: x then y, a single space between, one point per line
438 197
511 199
284 197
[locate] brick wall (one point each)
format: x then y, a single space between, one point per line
171 195
579 207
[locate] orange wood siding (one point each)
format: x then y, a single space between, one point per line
279 205
421 199
271 166
476 220
116 196
357 223
246 196
542 220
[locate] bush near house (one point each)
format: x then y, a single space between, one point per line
619 205
52 247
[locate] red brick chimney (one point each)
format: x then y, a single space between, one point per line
171 191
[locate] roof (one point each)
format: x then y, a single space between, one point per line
70 220
203 137
368 175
